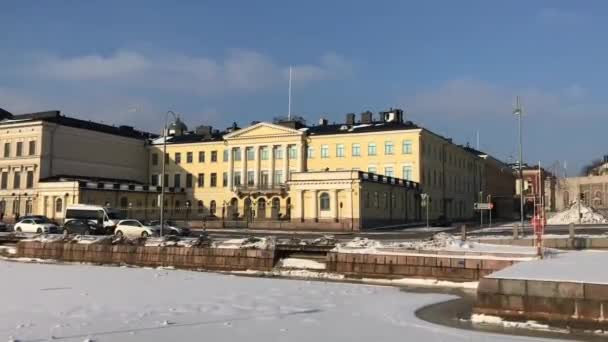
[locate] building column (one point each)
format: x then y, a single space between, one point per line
230 168
243 166
271 171
334 204
302 205
285 162
300 155
256 163
315 205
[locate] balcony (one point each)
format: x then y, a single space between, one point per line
260 189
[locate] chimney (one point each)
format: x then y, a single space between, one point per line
366 117
204 131
350 118
323 122
392 115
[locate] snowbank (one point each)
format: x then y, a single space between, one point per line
249 243
571 215
301 264
532 325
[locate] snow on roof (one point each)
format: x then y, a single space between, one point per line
159 140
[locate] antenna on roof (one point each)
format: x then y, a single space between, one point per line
289 101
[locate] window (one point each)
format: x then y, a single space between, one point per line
225 179
19 149
166 180
324 151
293 152
178 157
201 156
310 153
188 157
213 156
237 154
371 169
59 205
407 147
225 155
250 178
340 150
154 158
29 180
250 153
200 207
177 180
32 150
200 180
371 149
237 178
17 180
356 150
188 180
278 177
167 158
213 180
407 172
154 180
7 150
212 207
4 180
264 153
324 201
388 171
376 200
388 147
278 153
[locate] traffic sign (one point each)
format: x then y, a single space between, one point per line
483 206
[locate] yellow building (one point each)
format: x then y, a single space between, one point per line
224 173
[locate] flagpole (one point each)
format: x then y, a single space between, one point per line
289 104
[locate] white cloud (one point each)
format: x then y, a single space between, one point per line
470 98
240 70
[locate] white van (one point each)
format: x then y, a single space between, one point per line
94 213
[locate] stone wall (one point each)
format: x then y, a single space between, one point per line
581 305
444 267
227 259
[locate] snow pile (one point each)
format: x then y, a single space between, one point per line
495 320
47 238
92 239
570 215
305 264
174 241
246 243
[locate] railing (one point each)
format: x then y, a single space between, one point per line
261 187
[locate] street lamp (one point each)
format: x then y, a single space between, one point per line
519 112
162 181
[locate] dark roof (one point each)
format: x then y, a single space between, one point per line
56 117
4 114
71 178
359 128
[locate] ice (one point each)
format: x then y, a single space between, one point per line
571 215
127 304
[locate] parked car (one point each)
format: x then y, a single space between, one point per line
36 225
442 221
41 217
83 227
3 227
135 228
172 228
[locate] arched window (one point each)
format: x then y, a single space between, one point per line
200 207
28 207
212 207
59 205
324 201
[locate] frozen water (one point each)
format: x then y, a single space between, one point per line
130 304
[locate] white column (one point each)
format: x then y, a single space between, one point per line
243 166
301 155
271 171
256 163
315 205
334 204
285 162
230 168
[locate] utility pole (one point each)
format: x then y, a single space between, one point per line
519 112
162 182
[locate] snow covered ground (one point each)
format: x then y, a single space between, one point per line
571 215
580 266
96 303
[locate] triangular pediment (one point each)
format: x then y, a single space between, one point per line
261 130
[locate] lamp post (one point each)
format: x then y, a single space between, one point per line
519 112
162 182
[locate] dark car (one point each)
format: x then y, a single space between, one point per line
83 227
442 221
172 228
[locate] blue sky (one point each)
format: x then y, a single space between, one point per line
455 67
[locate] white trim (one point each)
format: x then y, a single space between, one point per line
242 131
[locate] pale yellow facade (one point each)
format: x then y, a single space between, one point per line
255 162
